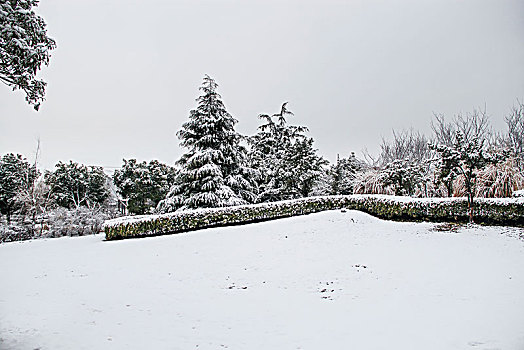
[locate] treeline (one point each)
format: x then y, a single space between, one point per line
463 156
71 200
74 199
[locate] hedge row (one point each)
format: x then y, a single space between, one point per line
487 211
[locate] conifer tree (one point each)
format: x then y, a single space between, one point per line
343 173
285 157
212 172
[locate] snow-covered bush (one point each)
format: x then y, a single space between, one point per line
499 180
59 222
15 230
492 211
80 221
371 182
519 193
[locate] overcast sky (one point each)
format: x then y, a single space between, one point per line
126 72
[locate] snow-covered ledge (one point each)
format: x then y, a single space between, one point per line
506 211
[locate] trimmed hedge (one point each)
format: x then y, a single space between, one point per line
487 211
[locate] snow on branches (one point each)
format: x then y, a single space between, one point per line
24 47
213 172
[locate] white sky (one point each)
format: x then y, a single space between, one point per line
126 72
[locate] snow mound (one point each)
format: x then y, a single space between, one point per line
329 280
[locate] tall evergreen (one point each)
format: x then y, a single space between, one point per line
289 165
213 171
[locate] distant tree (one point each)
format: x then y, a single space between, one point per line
343 174
304 167
465 157
514 138
288 164
16 175
407 145
24 47
403 176
405 163
473 127
74 185
213 172
143 184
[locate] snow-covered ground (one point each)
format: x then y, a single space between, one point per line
331 280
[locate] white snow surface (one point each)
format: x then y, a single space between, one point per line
330 280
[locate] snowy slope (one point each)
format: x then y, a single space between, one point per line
330 280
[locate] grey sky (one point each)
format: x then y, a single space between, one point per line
126 73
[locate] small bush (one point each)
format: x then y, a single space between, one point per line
56 223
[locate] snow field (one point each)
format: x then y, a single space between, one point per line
331 280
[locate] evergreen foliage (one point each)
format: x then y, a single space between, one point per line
74 185
24 47
404 177
343 174
289 165
213 172
143 184
16 175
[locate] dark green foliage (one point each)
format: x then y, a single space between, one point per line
489 211
287 162
343 174
74 185
143 184
24 47
16 176
213 172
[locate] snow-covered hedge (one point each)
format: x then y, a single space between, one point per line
487 211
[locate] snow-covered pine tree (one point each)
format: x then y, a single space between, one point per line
213 171
285 157
24 48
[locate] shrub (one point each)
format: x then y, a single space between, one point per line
488 211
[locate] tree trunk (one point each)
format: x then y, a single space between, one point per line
469 189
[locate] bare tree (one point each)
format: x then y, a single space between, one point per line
514 139
471 125
408 145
